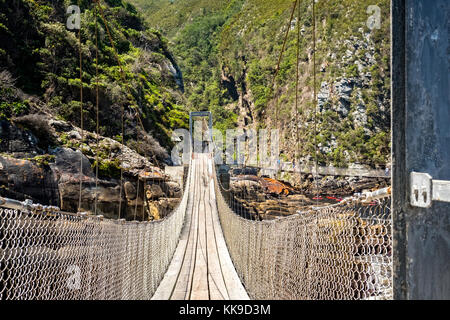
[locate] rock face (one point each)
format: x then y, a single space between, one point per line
20 179
16 141
52 177
260 198
67 168
352 112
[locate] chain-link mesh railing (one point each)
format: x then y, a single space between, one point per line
48 254
341 251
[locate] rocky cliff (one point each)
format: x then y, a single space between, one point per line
228 52
44 153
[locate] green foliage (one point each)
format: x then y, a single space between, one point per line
44 56
196 46
177 118
10 109
225 49
172 16
108 168
378 148
256 35
338 157
259 78
43 160
224 118
352 71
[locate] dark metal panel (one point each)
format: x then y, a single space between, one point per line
399 176
421 142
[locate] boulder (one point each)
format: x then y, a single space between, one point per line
17 142
154 191
23 179
60 126
153 211
130 190
343 89
68 164
173 189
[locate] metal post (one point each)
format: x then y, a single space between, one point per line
420 139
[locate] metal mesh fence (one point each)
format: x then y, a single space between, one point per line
47 254
341 251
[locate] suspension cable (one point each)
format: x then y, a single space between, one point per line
97 111
136 200
121 160
281 56
137 187
315 99
122 74
118 61
122 104
127 86
296 93
81 113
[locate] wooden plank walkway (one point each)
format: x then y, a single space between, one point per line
201 268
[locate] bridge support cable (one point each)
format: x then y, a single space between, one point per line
297 80
121 159
136 108
336 252
68 256
280 57
80 49
123 76
97 124
316 149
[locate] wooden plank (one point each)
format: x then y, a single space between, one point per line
214 292
169 281
218 289
200 290
236 290
185 283
201 267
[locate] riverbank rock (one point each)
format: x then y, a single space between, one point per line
52 176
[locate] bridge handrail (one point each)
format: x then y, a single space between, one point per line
49 254
340 251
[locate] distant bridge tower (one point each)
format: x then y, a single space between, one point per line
197 133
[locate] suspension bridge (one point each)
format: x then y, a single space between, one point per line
209 248
204 249
201 268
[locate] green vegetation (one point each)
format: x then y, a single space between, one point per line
43 56
250 45
171 16
9 109
108 168
229 50
195 28
43 160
